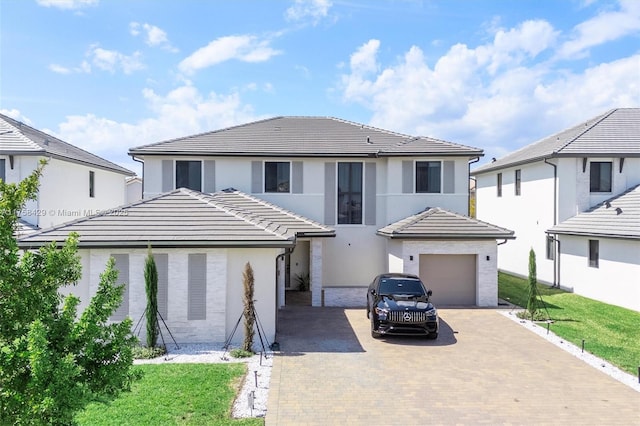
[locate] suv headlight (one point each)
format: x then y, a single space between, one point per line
432 312
382 313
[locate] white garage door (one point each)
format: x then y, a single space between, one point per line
452 277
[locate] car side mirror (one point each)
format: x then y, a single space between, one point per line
429 293
372 291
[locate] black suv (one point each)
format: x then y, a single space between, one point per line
399 304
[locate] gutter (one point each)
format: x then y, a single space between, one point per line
556 257
475 160
133 157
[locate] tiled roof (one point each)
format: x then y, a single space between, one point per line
17 138
183 218
304 136
618 217
613 134
436 224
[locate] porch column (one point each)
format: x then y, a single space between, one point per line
315 271
281 271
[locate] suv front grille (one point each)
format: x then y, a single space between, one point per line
407 316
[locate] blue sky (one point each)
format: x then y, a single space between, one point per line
110 75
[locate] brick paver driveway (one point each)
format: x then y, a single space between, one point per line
483 369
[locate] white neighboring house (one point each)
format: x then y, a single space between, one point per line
75 183
542 190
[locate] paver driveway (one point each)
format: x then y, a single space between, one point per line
483 369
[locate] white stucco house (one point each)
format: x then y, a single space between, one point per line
353 201
74 183
561 196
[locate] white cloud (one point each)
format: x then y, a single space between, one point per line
313 10
607 26
59 69
112 60
154 36
68 4
246 48
180 112
16 115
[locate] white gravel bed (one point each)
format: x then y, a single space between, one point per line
251 400
597 363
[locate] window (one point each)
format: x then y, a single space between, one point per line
189 175
197 287
518 181
92 184
122 266
600 176
551 253
428 176
499 185
3 176
594 253
349 193
277 176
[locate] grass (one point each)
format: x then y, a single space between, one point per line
174 394
610 332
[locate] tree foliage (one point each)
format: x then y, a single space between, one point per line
52 360
249 308
532 302
151 288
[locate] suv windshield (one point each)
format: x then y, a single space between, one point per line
401 286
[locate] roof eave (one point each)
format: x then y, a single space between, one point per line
32 245
398 236
594 234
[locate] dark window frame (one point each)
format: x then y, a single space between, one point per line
499 184
600 179
191 170
550 247
92 184
594 253
277 183
350 193
518 182
426 183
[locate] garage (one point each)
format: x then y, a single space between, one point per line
451 277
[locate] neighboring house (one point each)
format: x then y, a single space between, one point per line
74 183
134 189
335 200
542 190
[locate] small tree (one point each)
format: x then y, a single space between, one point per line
532 302
52 361
151 288
249 308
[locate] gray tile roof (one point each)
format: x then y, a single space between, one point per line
182 218
613 134
439 224
17 138
618 217
305 136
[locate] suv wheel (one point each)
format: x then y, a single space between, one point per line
374 333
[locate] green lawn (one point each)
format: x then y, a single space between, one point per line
174 394
610 332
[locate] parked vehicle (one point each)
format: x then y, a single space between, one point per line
399 304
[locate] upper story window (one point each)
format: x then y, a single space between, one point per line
594 253
518 182
92 184
428 176
277 176
600 176
189 175
3 176
499 185
350 193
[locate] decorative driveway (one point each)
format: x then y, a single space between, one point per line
483 369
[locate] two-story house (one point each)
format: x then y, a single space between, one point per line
337 200
75 183
572 197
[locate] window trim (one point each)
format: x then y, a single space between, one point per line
415 177
175 173
591 183
338 192
264 177
518 182
499 185
550 247
594 254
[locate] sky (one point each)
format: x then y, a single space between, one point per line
109 75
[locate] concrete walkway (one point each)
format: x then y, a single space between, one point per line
483 369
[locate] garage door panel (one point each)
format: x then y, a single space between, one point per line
451 277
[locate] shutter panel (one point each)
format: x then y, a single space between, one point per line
197 287
449 177
167 175
122 266
209 167
329 193
256 177
162 265
407 177
370 193
296 177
